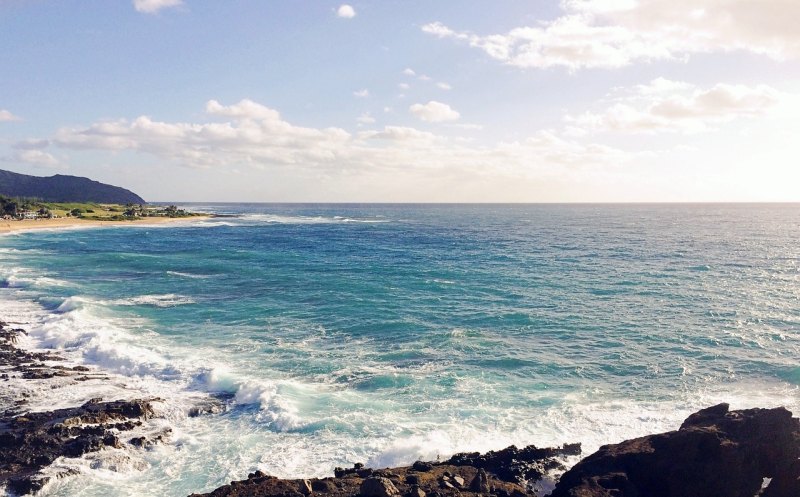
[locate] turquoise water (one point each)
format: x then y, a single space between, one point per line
336 333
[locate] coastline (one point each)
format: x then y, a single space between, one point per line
715 451
40 224
135 452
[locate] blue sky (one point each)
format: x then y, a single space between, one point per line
469 101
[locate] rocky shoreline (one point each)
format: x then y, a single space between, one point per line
32 441
715 453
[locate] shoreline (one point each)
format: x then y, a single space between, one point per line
715 452
38 445
7 226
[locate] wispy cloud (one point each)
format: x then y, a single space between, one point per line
35 158
6 115
665 105
153 6
434 112
365 118
610 34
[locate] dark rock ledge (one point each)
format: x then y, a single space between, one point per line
31 441
510 472
715 453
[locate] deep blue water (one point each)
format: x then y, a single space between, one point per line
378 333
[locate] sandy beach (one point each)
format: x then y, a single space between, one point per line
7 226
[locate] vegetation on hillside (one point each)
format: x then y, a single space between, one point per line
19 208
63 188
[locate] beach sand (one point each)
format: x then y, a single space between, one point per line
7 226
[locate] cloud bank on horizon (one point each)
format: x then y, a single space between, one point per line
577 100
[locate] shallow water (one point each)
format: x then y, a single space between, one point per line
383 334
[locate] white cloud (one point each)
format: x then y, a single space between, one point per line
568 41
404 86
365 118
616 33
443 86
442 31
153 6
346 11
245 109
665 105
398 133
434 112
256 137
363 93
7 116
409 72
36 157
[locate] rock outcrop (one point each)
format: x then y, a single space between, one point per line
34 440
715 453
518 465
505 473
31 441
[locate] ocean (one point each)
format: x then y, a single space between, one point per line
383 334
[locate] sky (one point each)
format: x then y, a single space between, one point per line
407 101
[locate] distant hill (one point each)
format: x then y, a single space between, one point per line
60 188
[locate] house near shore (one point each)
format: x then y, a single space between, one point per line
29 215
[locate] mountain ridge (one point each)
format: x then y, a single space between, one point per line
64 188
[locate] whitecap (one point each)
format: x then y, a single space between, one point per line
189 275
155 300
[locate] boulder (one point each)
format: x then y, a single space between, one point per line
480 483
422 466
378 486
304 487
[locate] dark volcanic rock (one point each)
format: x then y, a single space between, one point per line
422 466
517 465
30 442
715 453
403 481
